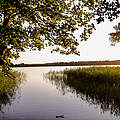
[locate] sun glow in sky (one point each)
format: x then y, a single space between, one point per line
98 47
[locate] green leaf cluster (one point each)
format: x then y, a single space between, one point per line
35 24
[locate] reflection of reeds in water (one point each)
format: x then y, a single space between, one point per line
57 79
97 85
8 88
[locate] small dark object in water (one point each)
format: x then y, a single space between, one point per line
60 116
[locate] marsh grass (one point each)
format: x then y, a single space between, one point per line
97 85
105 75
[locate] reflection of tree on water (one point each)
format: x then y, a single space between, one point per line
98 91
8 95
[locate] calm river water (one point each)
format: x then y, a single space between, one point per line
38 99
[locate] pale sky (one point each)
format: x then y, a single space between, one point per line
98 47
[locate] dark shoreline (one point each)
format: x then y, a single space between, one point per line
80 63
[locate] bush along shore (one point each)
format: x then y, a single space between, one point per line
97 85
7 82
8 87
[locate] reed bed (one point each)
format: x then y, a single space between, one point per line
97 85
105 75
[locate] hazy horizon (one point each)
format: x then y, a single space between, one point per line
96 48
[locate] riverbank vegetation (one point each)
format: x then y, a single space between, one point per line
100 75
8 87
7 83
97 85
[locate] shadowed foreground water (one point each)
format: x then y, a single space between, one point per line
44 98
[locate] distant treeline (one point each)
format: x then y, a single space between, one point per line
79 63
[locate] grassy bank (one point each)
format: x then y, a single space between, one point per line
6 83
8 88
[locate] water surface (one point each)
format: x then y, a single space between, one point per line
38 99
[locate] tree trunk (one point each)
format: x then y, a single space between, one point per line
2 53
6 24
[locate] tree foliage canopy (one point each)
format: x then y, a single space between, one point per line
110 10
36 24
115 36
